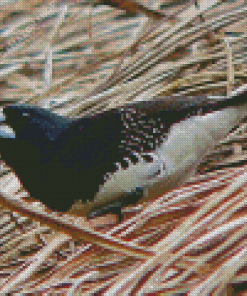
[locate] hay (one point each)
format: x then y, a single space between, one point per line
78 59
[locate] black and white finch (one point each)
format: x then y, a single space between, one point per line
144 148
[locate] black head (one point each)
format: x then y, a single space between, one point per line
18 118
33 122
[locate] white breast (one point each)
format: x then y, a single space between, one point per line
188 143
185 147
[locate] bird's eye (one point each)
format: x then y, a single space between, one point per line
26 114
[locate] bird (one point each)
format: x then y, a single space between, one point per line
113 158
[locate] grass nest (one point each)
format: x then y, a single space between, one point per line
83 57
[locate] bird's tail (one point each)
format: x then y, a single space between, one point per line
236 98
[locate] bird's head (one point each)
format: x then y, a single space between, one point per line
18 117
31 122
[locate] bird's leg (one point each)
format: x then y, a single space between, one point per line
97 208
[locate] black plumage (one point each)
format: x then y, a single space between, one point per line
60 160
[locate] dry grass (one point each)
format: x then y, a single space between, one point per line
80 59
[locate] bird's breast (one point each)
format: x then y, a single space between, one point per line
176 157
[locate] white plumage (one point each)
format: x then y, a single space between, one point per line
177 158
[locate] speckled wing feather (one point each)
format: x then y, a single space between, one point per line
149 146
191 127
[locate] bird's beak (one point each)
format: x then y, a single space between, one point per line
5 130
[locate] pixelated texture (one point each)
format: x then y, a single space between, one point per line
60 160
189 241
